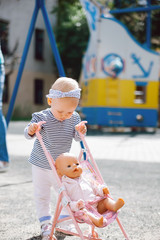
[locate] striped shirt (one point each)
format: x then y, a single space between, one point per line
57 136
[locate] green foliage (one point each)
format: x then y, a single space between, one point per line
136 21
71 35
20 115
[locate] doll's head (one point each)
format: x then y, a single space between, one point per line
68 165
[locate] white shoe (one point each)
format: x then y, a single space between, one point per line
4 166
46 231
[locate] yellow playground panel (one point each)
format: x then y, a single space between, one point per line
111 92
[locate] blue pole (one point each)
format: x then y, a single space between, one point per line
138 9
52 40
146 9
83 148
21 67
148 26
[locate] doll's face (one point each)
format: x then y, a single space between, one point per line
68 165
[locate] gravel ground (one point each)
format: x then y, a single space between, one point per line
136 181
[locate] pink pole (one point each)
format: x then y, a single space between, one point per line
93 161
56 215
99 175
122 229
52 165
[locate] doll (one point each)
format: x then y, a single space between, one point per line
81 190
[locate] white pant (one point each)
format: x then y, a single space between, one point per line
43 180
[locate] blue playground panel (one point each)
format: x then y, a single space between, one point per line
121 117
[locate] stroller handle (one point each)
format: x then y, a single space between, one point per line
39 125
82 123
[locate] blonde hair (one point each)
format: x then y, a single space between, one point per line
65 84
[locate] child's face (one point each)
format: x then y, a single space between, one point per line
63 108
68 166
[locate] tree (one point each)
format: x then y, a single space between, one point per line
71 35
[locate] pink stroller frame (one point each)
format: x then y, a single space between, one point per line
92 169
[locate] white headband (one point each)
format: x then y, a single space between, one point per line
58 94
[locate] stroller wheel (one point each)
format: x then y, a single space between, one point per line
60 235
93 235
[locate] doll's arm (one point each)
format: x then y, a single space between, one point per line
100 189
77 205
105 190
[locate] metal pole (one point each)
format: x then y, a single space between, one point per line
148 26
137 9
146 9
21 67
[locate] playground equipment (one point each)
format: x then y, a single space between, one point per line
39 5
120 77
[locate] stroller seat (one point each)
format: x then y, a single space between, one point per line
109 216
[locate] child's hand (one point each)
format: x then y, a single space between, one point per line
105 190
32 129
81 127
80 204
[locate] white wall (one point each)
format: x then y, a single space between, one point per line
19 14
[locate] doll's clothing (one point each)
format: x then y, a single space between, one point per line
82 188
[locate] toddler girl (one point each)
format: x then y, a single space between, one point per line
57 133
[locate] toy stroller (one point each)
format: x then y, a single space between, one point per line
90 168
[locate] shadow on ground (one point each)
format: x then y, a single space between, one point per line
35 238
